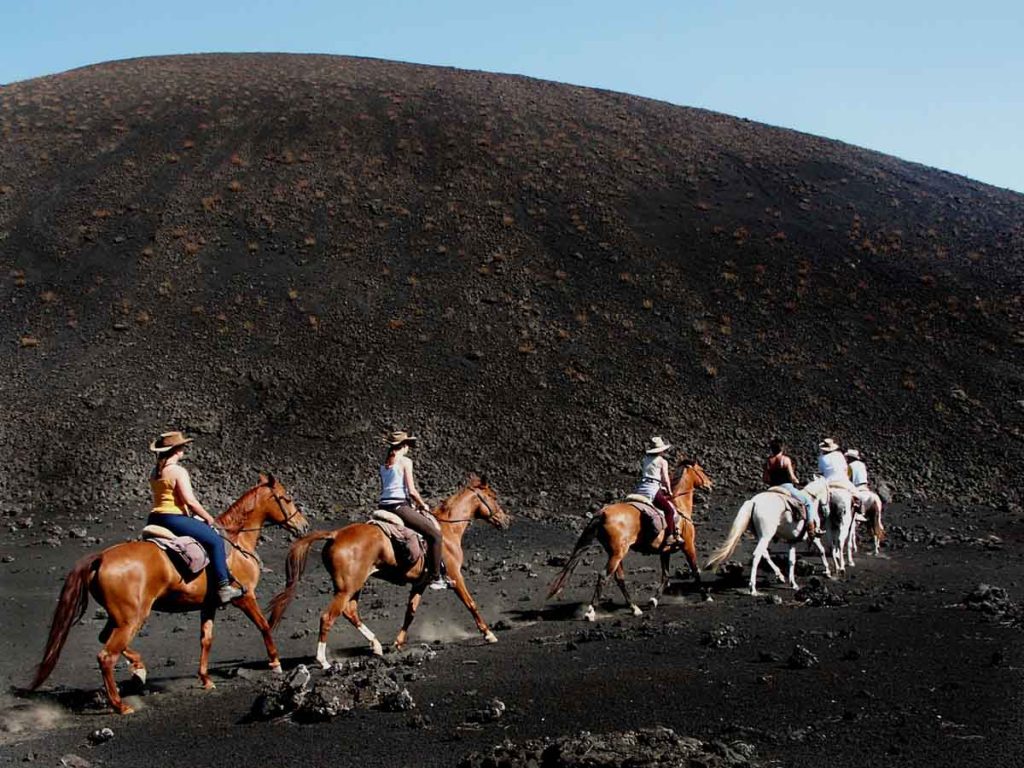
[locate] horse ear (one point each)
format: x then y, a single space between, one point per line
271 480
474 480
263 478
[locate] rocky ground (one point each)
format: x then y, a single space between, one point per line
910 660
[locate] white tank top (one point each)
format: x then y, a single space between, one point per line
392 484
650 468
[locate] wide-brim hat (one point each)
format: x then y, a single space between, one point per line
828 445
168 441
852 453
658 446
399 438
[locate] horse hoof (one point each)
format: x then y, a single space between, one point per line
124 709
376 649
636 610
708 598
324 664
653 602
590 615
140 674
490 637
207 685
275 668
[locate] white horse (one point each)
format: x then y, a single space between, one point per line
871 508
772 516
837 521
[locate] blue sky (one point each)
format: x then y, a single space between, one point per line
941 83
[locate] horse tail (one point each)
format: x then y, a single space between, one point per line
739 527
585 540
294 568
71 605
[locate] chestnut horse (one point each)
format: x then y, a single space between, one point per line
135 577
360 550
618 528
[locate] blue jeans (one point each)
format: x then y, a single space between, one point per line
804 499
183 525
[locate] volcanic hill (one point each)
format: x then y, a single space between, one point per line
287 255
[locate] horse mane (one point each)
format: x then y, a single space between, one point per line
235 517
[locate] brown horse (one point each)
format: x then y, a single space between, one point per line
360 550
618 528
135 577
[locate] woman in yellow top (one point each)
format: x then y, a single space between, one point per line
176 508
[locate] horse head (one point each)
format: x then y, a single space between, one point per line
700 478
487 507
281 508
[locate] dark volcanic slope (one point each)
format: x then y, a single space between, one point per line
287 254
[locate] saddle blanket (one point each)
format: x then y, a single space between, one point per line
790 498
409 546
186 551
651 517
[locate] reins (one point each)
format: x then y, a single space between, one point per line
235 532
471 518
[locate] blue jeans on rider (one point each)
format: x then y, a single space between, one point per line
804 499
183 525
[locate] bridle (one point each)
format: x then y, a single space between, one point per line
245 552
470 519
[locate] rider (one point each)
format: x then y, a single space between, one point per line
655 484
859 477
398 494
176 508
780 471
831 463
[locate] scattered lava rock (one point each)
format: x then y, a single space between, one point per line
802 658
101 736
371 684
491 713
646 748
722 636
816 593
995 603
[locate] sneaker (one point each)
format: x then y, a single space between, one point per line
438 583
860 517
671 540
226 593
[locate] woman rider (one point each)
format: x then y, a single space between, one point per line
173 501
398 494
656 485
780 471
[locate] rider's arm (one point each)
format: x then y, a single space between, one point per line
410 486
666 481
183 486
792 472
765 477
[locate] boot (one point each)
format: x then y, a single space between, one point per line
227 592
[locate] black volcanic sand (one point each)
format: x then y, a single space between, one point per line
905 672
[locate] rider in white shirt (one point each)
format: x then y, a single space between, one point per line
859 477
831 463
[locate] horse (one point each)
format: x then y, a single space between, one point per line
871 508
619 528
132 578
360 550
837 522
772 516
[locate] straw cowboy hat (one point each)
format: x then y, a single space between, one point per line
852 453
168 441
658 446
828 445
399 438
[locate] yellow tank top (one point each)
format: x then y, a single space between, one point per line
164 501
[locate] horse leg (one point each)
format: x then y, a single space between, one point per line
792 566
775 569
666 557
620 579
614 558
824 557
591 613
467 600
116 643
138 666
351 612
206 615
327 619
415 597
759 551
248 605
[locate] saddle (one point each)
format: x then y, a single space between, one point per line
794 503
409 546
651 517
187 554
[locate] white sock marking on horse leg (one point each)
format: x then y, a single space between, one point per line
590 614
321 656
636 610
654 602
140 673
375 645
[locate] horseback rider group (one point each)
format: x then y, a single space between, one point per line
176 508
